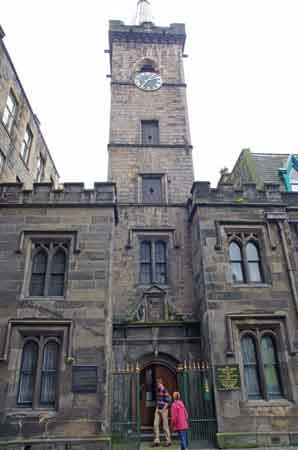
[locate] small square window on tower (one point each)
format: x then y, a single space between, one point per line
152 189
150 132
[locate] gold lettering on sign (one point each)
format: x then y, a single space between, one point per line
227 378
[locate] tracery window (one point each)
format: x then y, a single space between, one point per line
260 365
48 273
39 372
245 258
153 262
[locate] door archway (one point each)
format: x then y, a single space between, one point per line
149 374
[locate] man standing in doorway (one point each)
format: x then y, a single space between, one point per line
162 413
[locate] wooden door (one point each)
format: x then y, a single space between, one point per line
148 390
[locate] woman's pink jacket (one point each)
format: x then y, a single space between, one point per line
179 416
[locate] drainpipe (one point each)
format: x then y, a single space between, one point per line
289 264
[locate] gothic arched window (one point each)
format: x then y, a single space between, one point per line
236 262
57 275
261 365
39 270
38 381
271 367
245 261
49 373
253 262
250 365
28 373
48 269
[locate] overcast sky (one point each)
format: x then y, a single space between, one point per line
242 75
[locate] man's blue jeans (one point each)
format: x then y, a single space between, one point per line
183 439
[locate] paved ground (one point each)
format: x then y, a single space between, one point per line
146 446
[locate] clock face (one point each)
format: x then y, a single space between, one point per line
148 81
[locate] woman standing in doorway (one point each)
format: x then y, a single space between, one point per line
179 420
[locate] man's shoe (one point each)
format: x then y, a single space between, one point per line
168 444
155 444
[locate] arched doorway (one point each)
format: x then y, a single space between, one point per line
149 375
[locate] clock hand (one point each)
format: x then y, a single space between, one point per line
148 79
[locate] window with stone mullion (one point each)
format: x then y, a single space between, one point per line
48 271
38 381
245 262
261 366
153 262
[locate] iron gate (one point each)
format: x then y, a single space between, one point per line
126 409
196 385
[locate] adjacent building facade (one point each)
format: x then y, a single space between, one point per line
149 274
24 155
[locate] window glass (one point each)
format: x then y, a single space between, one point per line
236 262
40 169
27 376
57 279
39 372
151 189
153 262
253 261
161 262
270 363
39 268
251 374
150 132
26 144
146 263
49 374
10 111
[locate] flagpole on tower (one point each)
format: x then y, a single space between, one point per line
144 12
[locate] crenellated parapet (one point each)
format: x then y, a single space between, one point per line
46 194
229 193
147 32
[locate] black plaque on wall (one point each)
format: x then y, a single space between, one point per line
84 379
228 378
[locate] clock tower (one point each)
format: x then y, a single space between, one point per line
150 152
150 160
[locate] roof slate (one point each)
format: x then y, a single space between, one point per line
267 166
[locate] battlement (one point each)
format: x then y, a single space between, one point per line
66 194
229 193
147 33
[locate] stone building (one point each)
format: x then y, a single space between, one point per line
149 274
24 155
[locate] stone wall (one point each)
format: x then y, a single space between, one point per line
172 156
81 318
231 307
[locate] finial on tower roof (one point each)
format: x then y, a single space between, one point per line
144 12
